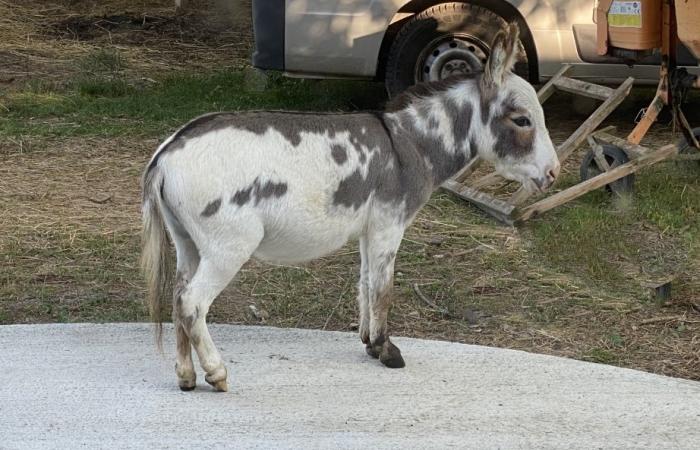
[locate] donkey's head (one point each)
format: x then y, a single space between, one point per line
515 138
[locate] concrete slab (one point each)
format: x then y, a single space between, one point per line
105 386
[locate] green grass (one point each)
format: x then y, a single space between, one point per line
109 105
600 234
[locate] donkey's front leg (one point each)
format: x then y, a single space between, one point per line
381 253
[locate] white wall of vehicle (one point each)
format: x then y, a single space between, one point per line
344 37
339 37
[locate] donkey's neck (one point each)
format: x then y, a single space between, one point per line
439 127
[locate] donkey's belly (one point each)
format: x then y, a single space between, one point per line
294 242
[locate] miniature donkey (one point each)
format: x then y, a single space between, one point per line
290 187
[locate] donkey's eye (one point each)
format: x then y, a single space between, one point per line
522 121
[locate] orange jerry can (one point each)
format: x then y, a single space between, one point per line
631 25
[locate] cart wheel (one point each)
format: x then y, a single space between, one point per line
615 156
685 147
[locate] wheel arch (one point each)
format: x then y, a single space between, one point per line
500 7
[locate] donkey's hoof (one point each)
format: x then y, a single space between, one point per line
217 378
373 350
220 386
391 356
187 386
186 378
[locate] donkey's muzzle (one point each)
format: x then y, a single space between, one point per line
545 182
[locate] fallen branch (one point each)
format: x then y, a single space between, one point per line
420 295
667 319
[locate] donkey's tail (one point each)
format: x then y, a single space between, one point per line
154 242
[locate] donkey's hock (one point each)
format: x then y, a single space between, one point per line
290 187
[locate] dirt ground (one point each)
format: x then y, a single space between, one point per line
42 40
70 220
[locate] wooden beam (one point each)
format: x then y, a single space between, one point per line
596 182
486 181
519 196
632 150
548 89
583 88
493 206
595 119
463 174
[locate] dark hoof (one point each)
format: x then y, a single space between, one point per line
373 350
391 356
187 388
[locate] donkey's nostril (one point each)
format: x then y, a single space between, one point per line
554 172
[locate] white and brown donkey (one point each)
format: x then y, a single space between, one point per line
290 187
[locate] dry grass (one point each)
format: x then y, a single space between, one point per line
53 40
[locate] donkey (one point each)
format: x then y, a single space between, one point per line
289 187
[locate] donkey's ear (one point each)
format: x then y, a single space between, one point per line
504 52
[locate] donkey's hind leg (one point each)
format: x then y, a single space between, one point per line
381 253
218 265
187 262
363 293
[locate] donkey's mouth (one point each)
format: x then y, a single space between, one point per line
540 184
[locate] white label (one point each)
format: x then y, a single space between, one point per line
625 14
626 8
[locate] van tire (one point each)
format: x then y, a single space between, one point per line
466 21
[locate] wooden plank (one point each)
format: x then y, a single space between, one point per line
486 181
583 88
463 174
548 89
596 182
652 112
632 150
519 196
491 205
595 119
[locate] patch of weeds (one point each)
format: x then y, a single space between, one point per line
615 339
583 236
102 60
104 105
600 355
96 87
669 196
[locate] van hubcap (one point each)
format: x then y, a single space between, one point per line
451 55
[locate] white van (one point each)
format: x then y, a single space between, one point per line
406 41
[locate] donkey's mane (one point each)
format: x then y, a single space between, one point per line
423 90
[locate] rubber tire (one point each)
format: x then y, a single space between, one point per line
423 28
615 156
684 146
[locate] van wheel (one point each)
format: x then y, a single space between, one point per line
445 40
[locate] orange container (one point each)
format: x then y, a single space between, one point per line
635 25
688 20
